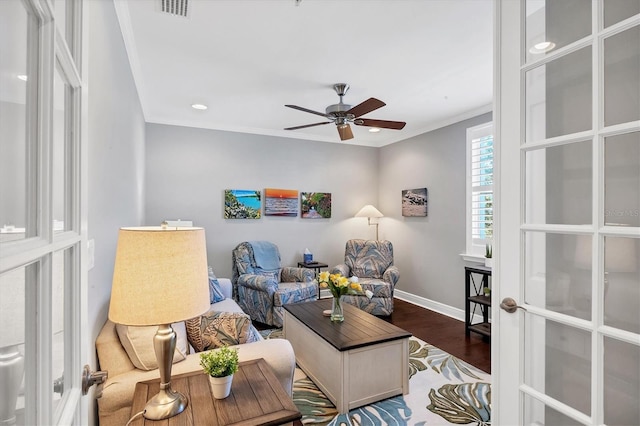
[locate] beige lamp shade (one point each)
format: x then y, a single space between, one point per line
160 276
369 211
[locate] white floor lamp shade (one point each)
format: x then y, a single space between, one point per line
369 211
160 277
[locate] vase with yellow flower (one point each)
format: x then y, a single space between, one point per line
338 286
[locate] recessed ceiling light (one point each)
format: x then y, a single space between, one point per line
374 130
543 47
22 77
199 106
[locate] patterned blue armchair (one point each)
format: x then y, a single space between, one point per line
262 287
372 263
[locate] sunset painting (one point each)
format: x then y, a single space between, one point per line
281 202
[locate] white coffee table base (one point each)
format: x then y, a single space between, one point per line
354 377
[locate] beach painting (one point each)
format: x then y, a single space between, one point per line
281 202
242 204
414 202
315 205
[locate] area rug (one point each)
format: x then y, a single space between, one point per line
443 390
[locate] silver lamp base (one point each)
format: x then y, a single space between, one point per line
167 403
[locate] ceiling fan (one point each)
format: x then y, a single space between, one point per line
342 114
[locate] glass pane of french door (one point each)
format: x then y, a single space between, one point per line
18 83
580 148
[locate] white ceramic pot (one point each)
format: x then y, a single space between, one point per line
488 262
221 386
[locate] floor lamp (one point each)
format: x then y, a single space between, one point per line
369 211
160 277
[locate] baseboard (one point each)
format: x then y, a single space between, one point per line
432 305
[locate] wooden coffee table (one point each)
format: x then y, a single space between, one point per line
359 361
257 398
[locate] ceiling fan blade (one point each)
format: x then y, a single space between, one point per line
299 108
307 125
345 132
366 107
383 124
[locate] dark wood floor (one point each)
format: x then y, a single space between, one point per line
442 331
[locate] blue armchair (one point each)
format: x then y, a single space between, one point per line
372 263
261 286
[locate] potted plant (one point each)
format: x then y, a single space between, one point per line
488 256
220 364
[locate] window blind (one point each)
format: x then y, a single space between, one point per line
482 189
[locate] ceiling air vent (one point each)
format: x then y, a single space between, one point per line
175 7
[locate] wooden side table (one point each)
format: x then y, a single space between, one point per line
257 398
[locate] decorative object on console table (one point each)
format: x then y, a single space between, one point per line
220 364
369 211
155 268
488 255
478 298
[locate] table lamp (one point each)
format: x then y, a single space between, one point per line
369 211
160 277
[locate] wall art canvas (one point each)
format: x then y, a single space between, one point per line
414 202
315 205
242 204
281 202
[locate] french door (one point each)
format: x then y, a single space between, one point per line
42 214
568 212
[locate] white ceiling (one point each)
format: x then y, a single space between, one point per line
430 61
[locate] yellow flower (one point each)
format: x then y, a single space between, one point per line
356 286
324 276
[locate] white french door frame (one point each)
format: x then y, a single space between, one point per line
49 51
509 388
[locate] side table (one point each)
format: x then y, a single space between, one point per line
474 293
257 398
316 266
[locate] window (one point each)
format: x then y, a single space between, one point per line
479 188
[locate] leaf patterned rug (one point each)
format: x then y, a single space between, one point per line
443 390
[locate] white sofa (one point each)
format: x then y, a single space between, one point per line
114 406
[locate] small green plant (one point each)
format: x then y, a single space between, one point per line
220 362
488 251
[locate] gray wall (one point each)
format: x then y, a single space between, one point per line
116 153
188 169
427 249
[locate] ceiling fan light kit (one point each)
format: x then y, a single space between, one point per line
343 114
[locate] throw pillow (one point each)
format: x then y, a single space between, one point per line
217 329
138 343
215 292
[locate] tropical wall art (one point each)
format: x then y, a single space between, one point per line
414 202
281 202
242 204
315 205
